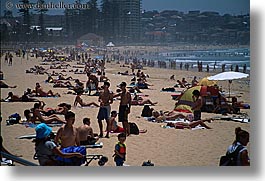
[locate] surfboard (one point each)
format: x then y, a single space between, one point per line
30 136
33 136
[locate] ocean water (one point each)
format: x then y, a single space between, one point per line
217 57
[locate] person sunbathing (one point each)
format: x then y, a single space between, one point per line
37 116
61 77
172 115
61 108
15 98
78 100
4 85
61 84
189 124
39 92
138 100
180 84
79 86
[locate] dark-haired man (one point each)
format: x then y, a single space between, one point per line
106 99
197 105
68 135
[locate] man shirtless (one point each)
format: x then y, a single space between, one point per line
37 116
39 91
105 98
125 107
86 134
197 105
15 98
91 79
68 135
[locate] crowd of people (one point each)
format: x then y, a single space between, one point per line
68 135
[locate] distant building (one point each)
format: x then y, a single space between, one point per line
125 17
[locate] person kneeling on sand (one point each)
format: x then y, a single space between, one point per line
86 135
115 128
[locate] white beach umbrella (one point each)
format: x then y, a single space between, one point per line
228 76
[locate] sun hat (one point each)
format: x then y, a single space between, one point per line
42 130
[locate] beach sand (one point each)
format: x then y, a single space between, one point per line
164 147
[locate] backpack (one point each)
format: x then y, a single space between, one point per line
147 111
230 159
133 128
13 119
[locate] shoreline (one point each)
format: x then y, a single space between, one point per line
160 145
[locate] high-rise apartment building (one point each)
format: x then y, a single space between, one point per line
125 20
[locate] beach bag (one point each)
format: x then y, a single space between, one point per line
230 159
146 112
133 128
73 161
14 118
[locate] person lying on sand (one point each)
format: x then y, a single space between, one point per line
61 108
4 85
172 115
37 116
78 100
62 84
138 100
39 92
15 98
189 125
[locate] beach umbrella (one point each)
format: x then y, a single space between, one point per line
110 44
228 76
205 82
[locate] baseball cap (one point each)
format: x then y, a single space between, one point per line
42 130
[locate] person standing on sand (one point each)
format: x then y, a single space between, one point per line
241 141
10 59
68 135
120 150
197 105
125 107
106 99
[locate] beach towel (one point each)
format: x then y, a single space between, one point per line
178 120
73 161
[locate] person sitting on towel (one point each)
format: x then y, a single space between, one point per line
86 135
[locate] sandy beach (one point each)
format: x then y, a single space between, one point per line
164 147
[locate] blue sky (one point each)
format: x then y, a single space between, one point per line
222 6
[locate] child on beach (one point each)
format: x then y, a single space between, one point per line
120 150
